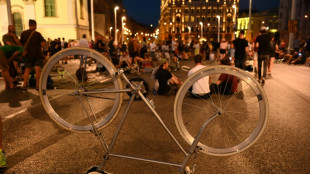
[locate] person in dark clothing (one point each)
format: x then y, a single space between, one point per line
99 45
165 78
34 56
263 45
241 49
111 46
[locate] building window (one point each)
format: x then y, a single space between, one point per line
18 22
49 8
197 18
186 18
82 9
186 10
192 19
192 9
198 10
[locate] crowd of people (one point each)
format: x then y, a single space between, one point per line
160 58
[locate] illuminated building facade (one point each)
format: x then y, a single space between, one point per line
267 18
55 18
302 13
183 18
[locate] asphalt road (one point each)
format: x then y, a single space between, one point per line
35 144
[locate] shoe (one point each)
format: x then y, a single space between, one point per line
2 159
263 81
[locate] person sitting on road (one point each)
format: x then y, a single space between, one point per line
226 84
146 64
7 54
165 78
200 89
124 60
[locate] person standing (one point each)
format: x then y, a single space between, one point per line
11 39
241 49
83 42
273 54
34 56
153 48
263 45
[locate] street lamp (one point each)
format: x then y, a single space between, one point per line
111 31
123 18
250 12
115 15
117 30
235 13
218 27
201 25
189 33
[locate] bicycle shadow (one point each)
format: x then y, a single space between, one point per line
14 97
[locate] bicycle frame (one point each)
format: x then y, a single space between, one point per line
136 90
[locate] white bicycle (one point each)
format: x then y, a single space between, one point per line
86 101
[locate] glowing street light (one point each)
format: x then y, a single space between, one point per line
201 25
235 13
111 31
250 13
218 27
115 15
123 24
189 33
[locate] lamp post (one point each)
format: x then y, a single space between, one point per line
235 13
123 24
115 34
111 31
218 28
189 33
117 30
201 26
306 22
249 25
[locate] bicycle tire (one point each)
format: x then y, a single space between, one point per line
73 72
241 116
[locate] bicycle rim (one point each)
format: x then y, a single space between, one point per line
66 78
241 115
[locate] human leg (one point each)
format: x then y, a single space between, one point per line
37 75
271 61
7 78
2 154
259 67
26 77
265 60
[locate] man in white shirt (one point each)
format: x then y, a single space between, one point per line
201 88
152 50
84 42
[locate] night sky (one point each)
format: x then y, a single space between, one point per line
148 11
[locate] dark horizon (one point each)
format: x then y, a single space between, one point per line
148 11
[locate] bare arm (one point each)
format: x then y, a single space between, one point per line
13 56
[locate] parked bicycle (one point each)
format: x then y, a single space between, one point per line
221 124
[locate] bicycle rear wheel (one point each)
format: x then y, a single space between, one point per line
77 90
241 110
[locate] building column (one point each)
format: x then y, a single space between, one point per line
29 12
3 18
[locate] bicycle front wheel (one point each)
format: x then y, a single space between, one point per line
78 90
239 104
